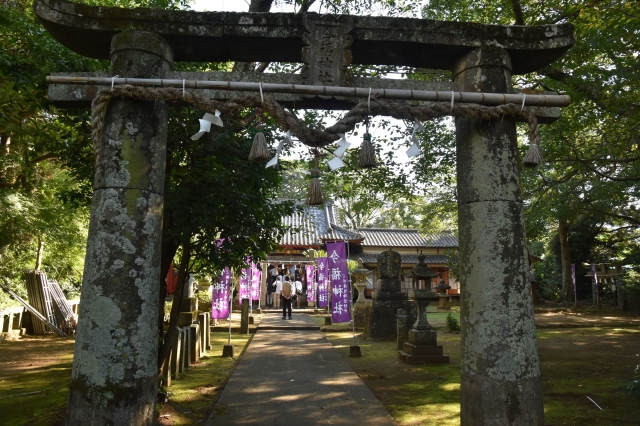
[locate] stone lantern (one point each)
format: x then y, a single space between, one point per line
422 346
421 274
360 283
442 293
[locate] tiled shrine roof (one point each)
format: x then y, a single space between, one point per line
389 237
407 258
311 226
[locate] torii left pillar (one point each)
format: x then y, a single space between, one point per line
115 374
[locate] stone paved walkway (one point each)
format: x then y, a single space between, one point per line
291 375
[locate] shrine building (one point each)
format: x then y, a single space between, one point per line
312 226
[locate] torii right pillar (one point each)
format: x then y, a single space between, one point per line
500 383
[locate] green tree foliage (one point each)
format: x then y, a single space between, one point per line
34 178
591 169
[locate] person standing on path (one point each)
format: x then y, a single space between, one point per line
298 291
278 289
286 293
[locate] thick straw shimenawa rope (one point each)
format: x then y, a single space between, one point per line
288 121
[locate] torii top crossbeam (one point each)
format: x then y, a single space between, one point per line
224 36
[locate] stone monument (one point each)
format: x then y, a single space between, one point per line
381 314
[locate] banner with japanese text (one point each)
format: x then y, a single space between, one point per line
573 278
311 288
339 278
256 277
220 296
244 291
323 282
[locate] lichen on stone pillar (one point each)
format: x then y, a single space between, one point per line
115 374
500 377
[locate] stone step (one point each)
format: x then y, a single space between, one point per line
412 349
428 359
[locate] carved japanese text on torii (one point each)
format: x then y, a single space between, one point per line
114 378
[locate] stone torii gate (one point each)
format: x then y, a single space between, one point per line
114 379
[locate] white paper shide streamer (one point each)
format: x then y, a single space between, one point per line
285 140
343 145
414 149
205 124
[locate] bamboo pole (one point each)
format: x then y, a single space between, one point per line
300 89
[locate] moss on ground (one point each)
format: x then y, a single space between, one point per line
194 394
191 397
575 363
44 408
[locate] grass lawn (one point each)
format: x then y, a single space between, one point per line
36 364
575 363
597 362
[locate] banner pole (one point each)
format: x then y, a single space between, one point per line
230 308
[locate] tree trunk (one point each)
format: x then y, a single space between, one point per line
171 335
565 257
39 254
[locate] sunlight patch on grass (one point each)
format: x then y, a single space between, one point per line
450 387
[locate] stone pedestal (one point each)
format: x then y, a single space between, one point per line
327 320
176 355
422 345
402 333
189 304
380 315
203 321
443 302
194 342
360 314
361 287
186 349
228 351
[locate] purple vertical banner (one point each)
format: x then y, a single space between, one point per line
573 279
323 281
339 277
595 278
311 288
220 296
245 284
256 276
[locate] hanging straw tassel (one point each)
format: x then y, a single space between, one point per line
367 153
315 196
259 149
533 157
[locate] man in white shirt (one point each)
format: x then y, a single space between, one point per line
276 298
298 292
